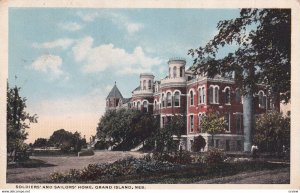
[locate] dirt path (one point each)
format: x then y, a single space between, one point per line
35 175
278 176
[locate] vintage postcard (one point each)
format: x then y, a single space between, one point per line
149 94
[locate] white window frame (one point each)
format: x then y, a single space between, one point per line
227 88
214 101
175 98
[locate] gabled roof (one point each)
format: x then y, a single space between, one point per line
126 100
114 93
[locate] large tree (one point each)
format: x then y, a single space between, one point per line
18 121
125 128
263 55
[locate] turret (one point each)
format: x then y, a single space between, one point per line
176 67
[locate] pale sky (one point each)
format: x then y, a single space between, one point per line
67 60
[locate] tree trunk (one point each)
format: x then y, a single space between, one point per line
248 119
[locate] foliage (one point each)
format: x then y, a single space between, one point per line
198 144
263 55
213 124
88 152
126 128
272 132
214 156
67 141
179 157
164 137
40 142
104 172
18 121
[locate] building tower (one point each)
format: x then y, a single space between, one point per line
113 98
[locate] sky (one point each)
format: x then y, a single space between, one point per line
66 60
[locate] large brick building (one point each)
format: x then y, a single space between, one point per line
189 95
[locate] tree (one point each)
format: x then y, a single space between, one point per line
165 137
124 129
18 121
40 142
272 132
263 56
66 140
198 144
213 124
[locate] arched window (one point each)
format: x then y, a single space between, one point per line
163 99
177 99
174 72
227 96
155 107
191 98
262 99
169 99
144 85
149 84
138 106
203 95
216 95
238 96
199 95
145 106
213 94
133 104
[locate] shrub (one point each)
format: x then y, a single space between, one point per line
198 144
104 172
214 156
88 152
179 157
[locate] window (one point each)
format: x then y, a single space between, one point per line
181 71
155 103
216 94
191 98
144 85
262 99
138 105
202 98
174 72
203 95
200 116
239 118
213 94
227 96
238 96
227 145
163 122
145 106
177 99
192 123
227 121
169 99
217 143
149 84
163 100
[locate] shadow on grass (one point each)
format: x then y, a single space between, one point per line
31 163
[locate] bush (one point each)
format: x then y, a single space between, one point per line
88 152
179 157
214 156
198 144
104 172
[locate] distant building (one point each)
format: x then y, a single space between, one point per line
182 92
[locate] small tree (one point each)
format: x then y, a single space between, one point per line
198 144
272 131
213 124
18 121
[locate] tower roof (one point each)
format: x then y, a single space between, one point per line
114 93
